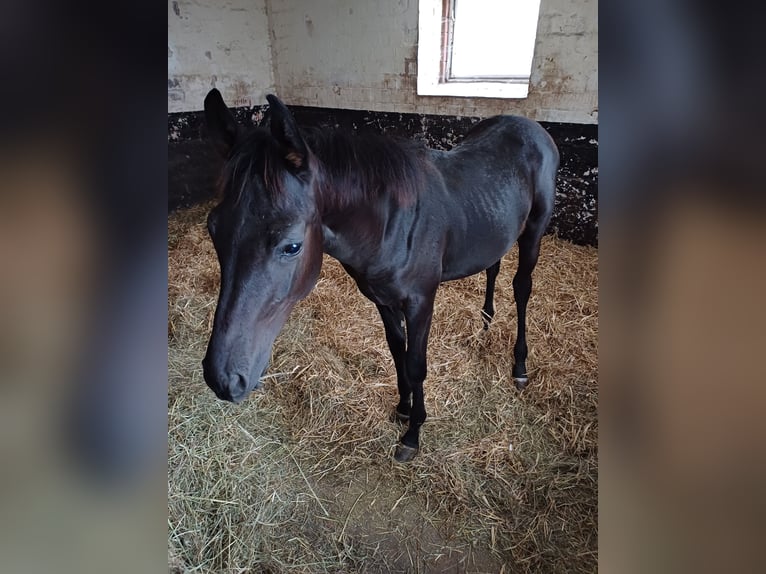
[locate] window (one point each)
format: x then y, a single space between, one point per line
477 48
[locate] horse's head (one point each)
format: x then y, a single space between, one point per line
268 237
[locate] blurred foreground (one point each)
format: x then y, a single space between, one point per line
83 361
683 278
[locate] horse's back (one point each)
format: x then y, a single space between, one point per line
503 171
510 138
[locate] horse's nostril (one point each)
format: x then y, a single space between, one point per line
241 385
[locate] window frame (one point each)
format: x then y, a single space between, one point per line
435 28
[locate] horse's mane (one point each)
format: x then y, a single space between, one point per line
256 154
360 168
350 168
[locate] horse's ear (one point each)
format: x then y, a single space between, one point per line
285 131
220 122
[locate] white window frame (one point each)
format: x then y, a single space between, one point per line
431 80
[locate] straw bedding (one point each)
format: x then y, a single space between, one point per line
300 477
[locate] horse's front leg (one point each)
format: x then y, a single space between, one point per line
418 312
393 322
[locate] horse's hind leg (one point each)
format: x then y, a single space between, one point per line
393 320
488 311
529 250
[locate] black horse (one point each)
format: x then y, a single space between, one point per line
401 219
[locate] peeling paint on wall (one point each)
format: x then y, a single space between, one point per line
366 58
362 54
175 93
221 44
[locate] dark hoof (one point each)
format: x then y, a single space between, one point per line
520 382
405 453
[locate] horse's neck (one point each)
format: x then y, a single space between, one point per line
353 232
352 235
355 218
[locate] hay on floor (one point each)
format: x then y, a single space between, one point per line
300 477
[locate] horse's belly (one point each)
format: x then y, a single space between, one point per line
478 250
470 266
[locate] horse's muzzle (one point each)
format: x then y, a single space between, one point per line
227 387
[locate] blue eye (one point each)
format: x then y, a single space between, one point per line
292 249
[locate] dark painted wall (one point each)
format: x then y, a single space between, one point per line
193 164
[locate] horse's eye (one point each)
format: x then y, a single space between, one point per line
292 249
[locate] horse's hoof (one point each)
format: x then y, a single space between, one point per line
405 453
520 382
